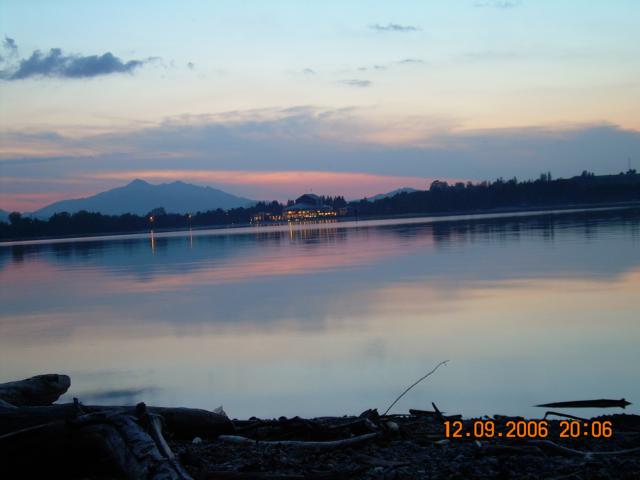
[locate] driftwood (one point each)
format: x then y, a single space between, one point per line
565 415
438 413
359 424
423 413
185 423
41 440
600 403
326 445
126 444
38 390
4 404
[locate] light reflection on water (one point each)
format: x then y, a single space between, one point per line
335 319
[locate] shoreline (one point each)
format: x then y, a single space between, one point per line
200 444
414 446
41 439
450 216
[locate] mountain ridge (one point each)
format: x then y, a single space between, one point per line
392 193
140 197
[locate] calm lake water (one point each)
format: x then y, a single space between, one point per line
337 318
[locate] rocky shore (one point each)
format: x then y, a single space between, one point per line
410 447
41 439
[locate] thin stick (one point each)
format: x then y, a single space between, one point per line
566 415
347 442
413 385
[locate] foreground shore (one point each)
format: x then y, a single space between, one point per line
410 447
40 439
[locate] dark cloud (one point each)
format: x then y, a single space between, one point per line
56 64
10 44
330 140
191 65
355 82
394 27
498 4
309 71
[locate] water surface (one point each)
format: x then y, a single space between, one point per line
335 319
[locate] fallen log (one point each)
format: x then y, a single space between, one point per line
184 423
38 390
565 415
361 424
423 413
600 403
313 445
4 404
438 413
130 445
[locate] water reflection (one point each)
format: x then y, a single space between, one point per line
273 321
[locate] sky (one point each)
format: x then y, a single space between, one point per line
271 99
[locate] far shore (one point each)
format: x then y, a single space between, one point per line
344 222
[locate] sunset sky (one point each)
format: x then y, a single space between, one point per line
269 99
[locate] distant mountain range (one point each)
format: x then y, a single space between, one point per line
140 197
393 193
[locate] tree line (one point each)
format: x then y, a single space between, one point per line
440 197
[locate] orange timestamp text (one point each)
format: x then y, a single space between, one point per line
527 429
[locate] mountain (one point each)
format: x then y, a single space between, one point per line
140 197
393 193
4 216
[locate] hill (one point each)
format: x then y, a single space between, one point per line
140 197
392 193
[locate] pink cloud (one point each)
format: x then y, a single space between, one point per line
28 202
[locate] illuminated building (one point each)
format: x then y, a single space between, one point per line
308 206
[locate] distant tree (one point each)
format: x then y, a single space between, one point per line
15 217
339 202
439 198
438 185
157 212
